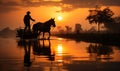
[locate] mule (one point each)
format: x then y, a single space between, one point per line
44 27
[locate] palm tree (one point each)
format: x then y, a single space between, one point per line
100 16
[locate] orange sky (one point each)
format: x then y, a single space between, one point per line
70 15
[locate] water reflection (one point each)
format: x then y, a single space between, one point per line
43 48
59 49
26 44
40 48
99 51
61 55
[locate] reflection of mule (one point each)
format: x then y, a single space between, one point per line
43 49
43 27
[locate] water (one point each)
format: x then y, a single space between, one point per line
57 54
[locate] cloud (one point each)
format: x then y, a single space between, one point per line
66 5
69 5
110 2
8 6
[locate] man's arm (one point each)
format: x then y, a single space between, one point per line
32 18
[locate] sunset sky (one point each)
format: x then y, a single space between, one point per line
65 12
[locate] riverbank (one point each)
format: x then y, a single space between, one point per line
104 38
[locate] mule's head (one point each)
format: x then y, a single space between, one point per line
52 22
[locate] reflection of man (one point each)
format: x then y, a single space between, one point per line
27 19
27 61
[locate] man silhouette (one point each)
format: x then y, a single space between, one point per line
27 19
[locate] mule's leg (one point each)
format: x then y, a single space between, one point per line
39 34
43 34
49 35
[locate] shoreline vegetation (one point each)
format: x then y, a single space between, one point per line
103 38
98 37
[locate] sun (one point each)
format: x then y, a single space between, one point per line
59 18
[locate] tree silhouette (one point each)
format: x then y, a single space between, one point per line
117 19
68 29
98 16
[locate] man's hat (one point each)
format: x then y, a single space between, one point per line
28 12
